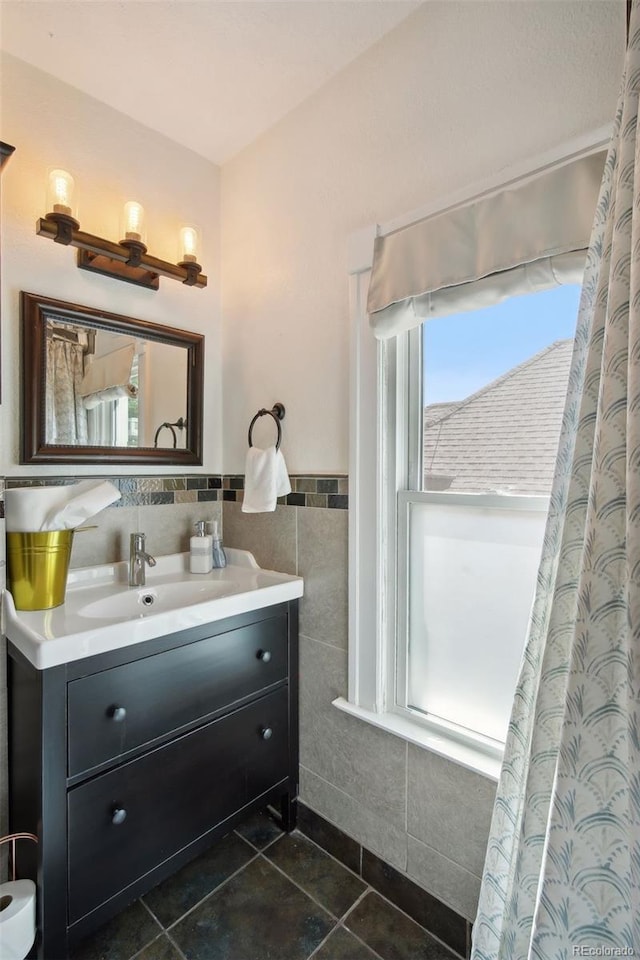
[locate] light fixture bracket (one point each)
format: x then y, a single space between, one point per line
136 248
118 269
193 271
128 261
65 225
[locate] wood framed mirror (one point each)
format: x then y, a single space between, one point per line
97 387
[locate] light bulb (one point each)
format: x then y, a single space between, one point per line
60 192
133 221
189 244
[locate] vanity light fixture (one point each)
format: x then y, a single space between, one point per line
127 260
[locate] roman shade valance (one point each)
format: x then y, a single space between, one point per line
524 238
111 370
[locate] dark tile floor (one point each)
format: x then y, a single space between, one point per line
259 894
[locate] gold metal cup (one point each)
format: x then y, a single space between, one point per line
37 568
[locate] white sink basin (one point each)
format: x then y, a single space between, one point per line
151 600
102 613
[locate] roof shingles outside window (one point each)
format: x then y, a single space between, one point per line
504 438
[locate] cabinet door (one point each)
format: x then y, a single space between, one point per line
124 823
125 707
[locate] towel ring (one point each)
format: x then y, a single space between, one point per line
180 424
277 412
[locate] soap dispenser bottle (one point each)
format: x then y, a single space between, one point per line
200 560
218 555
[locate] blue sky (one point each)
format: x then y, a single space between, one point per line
464 352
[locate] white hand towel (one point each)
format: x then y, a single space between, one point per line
265 479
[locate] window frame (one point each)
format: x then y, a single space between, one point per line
378 449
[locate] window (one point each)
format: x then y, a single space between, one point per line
446 500
115 423
132 404
470 531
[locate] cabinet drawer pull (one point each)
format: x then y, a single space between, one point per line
117 713
266 733
118 816
264 655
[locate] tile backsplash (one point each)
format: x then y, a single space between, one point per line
144 499
306 491
141 491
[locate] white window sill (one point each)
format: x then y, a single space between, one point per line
435 739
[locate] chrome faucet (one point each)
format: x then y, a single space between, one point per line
137 559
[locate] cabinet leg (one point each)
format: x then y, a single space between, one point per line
289 812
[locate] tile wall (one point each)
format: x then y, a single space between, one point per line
426 817
428 911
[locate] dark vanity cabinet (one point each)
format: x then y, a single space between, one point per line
128 764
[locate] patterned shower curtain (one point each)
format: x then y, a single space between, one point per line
66 415
562 873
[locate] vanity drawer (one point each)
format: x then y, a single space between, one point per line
117 710
169 797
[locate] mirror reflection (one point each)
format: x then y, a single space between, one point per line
114 390
97 387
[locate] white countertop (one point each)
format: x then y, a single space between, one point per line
101 612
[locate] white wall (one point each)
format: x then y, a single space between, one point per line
165 392
112 159
455 94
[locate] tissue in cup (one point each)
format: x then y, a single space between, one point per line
37 568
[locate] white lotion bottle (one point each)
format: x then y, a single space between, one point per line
200 560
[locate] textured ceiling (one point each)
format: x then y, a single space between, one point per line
210 74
